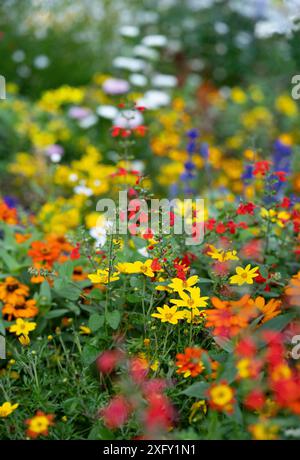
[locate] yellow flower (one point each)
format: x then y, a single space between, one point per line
84 330
221 255
198 409
102 276
238 95
168 314
179 285
286 105
24 340
268 214
137 267
194 300
22 327
263 431
7 408
221 395
244 275
155 365
243 368
194 315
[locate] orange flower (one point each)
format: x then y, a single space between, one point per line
293 290
21 238
7 214
46 253
39 424
13 292
27 309
189 363
229 317
78 274
270 310
61 241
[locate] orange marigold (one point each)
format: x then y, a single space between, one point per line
229 317
7 214
189 363
13 292
27 309
293 290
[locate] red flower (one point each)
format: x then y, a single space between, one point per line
116 130
220 228
246 347
281 175
255 400
75 254
108 360
116 413
247 208
156 265
286 202
141 130
160 413
261 167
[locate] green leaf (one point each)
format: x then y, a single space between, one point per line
197 390
100 432
2 327
66 290
113 318
133 298
263 271
45 293
89 354
278 323
224 343
65 270
9 261
95 322
205 280
56 313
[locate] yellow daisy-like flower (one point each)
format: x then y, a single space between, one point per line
221 255
244 275
179 285
194 315
84 330
192 299
168 314
22 327
24 340
137 267
102 276
7 408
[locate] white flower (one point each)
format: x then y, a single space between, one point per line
155 41
145 52
128 119
41 62
83 190
137 79
132 64
88 121
107 111
164 81
154 99
115 86
99 234
129 31
18 56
